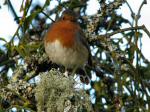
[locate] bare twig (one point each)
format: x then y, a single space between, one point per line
142 4
13 11
146 31
132 13
139 11
120 31
47 16
136 18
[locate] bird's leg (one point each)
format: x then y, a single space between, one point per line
74 70
66 73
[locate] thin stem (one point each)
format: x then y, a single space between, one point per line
137 17
142 4
47 16
121 31
129 7
13 11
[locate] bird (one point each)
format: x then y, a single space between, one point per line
65 42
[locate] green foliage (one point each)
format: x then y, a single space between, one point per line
118 63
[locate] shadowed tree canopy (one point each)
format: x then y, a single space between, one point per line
122 72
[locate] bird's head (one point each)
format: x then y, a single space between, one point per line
69 15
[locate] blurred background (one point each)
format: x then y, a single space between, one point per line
119 38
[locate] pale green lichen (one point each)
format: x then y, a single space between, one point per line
56 93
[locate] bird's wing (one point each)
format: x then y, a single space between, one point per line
85 43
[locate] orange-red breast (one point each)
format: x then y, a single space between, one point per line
65 42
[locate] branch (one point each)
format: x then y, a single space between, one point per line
15 93
47 16
120 31
132 13
142 4
13 11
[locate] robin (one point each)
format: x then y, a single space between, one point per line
65 43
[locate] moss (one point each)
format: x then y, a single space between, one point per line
56 93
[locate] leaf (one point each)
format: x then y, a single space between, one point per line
21 50
1 110
34 46
29 19
47 2
2 39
